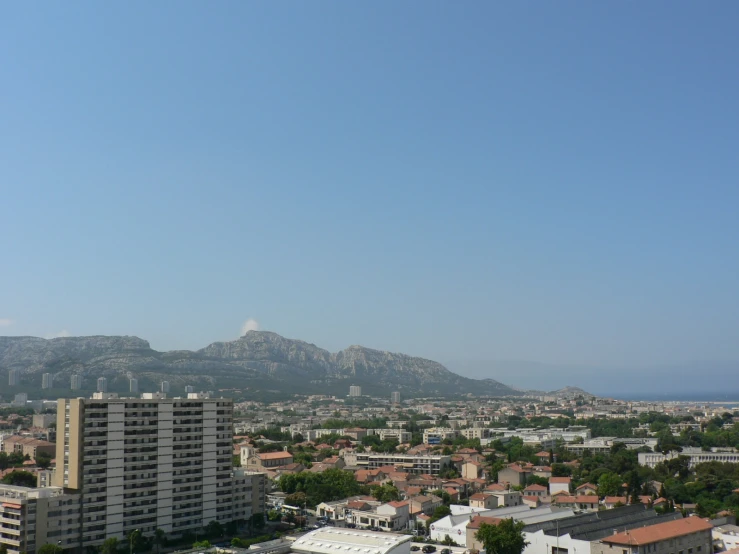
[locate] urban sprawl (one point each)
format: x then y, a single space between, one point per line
173 470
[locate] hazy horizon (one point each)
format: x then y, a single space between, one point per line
550 184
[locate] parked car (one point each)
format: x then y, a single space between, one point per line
415 548
446 551
428 549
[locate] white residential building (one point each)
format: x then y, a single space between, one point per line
14 377
76 382
695 455
47 381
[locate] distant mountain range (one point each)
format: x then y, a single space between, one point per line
257 361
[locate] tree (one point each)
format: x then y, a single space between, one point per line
160 537
43 460
4 461
448 541
214 529
3 548
257 520
20 479
504 538
440 512
296 499
386 492
609 484
202 544
110 546
50 549
274 515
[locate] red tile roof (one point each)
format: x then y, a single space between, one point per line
479 520
659 532
274 455
535 488
566 480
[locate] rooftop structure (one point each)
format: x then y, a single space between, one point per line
347 541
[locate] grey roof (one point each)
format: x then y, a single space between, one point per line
593 526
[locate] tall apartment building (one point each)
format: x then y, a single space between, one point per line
355 390
133 385
102 384
151 462
76 382
47 381
189 389
165 387
395 397
14 377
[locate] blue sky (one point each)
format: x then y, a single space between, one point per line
554 182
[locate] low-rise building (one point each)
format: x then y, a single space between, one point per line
392 516
690 535
559 484
28 446
514 474
31 518
263 461
695 456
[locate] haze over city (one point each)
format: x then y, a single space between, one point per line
542 196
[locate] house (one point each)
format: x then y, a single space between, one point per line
587 503
453 494
545 472
474 526
497 487
535 490
506 498
392 516
514 474
614 501
334 462
472 470
260 461
483 501
531 501
543 457
341 444
587 488
691 535
425 504
559 484
290 469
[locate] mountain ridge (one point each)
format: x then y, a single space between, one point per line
259 360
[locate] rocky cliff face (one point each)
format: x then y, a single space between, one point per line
258 360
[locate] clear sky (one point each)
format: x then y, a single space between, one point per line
544 181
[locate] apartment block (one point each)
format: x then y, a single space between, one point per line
14 377
150 462
431 464
75 382
47 381
31 518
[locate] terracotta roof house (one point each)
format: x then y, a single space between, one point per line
612 501
587 488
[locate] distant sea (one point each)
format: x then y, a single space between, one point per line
725 397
